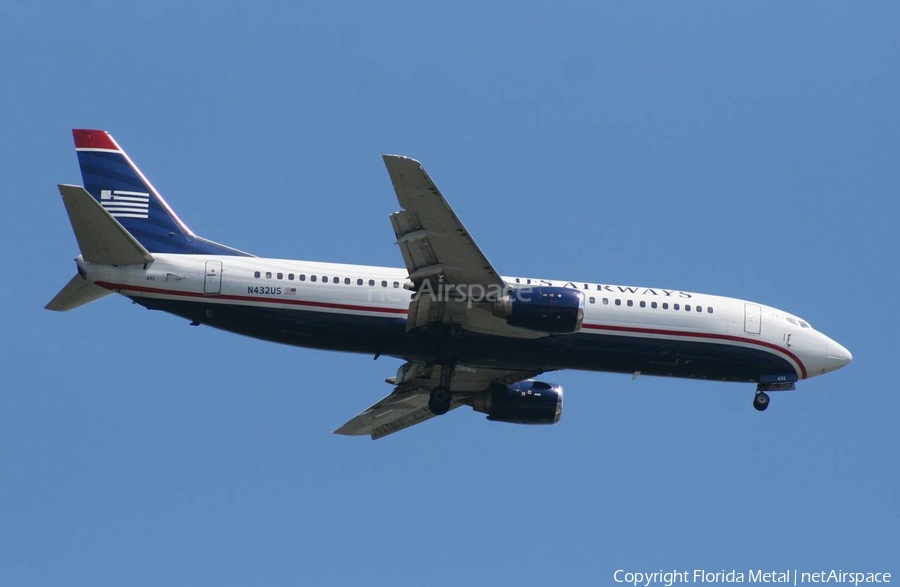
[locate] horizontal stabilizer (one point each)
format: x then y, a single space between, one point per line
78 292
100 236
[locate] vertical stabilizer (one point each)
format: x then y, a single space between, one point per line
119 186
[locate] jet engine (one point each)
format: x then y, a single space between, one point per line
555 310
525 402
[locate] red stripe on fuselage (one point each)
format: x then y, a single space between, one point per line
708 335
310 303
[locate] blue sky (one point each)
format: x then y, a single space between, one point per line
748 150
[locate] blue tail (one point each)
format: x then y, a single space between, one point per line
120 187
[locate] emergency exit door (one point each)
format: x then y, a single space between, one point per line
212 284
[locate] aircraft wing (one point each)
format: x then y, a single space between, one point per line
450 274
433 240
407 405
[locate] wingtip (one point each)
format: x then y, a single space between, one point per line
342 431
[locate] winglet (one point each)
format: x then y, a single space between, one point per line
100 236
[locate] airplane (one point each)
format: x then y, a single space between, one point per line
467 334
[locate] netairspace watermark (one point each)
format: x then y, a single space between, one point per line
787 577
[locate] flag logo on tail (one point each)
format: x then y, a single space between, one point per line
125 204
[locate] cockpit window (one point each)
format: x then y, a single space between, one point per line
797 322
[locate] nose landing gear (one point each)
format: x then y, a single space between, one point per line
761 401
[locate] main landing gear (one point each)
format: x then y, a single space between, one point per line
761 401
439 401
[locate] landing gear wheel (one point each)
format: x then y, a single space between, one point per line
439 402
761 401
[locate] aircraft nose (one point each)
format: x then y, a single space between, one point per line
836 356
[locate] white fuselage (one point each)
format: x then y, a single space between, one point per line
654 317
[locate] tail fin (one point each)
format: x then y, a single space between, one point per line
119 186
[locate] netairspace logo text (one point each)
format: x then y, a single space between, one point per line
788 577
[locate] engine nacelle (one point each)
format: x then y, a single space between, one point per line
525 402
555 310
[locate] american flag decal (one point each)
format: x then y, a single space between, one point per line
290 291
123 204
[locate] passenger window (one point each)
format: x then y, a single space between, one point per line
268 275
302 277
346 281
687 307
699 308
592 300
653 305
336 280
665 305
372 282
256 274
630 303
605 301
290 277
396 284
324 279
313 278
643 304
383 283
676 307
280 276
359 282
618 302
709 309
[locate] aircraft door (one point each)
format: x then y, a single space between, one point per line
212 283
752 318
